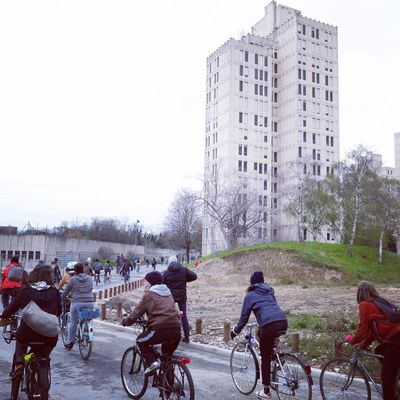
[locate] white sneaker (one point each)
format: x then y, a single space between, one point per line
152 367
262 395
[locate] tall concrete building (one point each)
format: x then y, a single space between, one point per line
271 105
397 154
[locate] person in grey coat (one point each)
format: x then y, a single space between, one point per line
260 299
81 287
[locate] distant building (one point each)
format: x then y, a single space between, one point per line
271 102
8 230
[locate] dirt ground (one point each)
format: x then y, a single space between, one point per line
217 295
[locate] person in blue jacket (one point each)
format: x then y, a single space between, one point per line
260 299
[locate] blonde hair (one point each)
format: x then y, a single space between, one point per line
366 292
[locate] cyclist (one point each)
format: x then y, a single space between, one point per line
81 287
97 270
56 270
163 324
39 289
387 334
260 299
9 286
107 270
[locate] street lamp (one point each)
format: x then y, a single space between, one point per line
137 221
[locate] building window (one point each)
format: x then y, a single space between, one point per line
240 117
245 166
9 254
300 152
304 137
240 165
24 254
30 255
3 254
240 149
246 55
265 185
37 255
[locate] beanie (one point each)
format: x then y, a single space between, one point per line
154 278
172 259
257 277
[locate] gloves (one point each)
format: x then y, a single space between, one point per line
348 338
233 334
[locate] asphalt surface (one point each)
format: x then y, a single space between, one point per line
99 377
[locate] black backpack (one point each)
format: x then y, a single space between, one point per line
391 311
15 273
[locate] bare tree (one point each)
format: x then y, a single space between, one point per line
232 205
183 220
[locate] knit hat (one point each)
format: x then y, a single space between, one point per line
257 277
154 278
172 259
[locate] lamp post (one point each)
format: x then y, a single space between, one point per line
136 225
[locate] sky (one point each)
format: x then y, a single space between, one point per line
102 103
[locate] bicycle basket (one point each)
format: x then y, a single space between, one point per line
85 313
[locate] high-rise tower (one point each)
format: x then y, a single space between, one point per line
271 104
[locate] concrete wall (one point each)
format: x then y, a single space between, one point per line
46 248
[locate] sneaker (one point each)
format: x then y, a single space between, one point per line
185 339
262 395
69 346
152 367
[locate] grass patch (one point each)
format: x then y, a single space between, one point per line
363 265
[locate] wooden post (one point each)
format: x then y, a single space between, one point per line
122 288
119 309
100 294
105 293
227 331
295 342
103 311
115 290
119 289
94 297
199 323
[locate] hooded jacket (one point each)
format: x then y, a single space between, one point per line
176 277
260 299
47 298
81 287
159 306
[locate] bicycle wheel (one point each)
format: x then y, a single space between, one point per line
132 373
177 382
398 385
244 368
340 379
64 328
34 389
291 380
85 344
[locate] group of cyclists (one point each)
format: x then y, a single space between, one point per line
164 321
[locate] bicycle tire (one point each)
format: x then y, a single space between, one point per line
133 378
291 381
244 368
339 378
85 344
398 385
177 382
64 328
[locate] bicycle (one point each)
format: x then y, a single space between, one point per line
35 380
107 278
84 330
173 379
347 377
290 376
97 278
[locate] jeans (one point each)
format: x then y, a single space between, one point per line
168 337
268 334
185 321
73 319
6 294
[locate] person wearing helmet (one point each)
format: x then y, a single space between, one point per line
69 272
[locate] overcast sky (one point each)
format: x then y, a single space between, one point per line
102 103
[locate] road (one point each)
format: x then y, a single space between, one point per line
98 378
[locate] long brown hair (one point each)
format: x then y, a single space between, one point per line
366 292
43 273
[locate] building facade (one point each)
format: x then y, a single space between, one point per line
271 108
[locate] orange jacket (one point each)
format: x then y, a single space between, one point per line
6 284
365 333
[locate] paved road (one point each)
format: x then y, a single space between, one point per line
98 378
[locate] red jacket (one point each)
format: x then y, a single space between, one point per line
365 333
6 284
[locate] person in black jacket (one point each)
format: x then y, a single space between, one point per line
40 289
260 299
176 277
